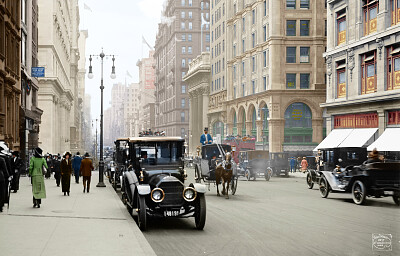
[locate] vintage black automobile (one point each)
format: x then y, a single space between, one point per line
120 162
253 164
278 164
154 184
330 158
367 180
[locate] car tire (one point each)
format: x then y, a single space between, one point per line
309 181
197 174
234 182
200 212
142 216
359 192
247 175
287 174
396 199
323 187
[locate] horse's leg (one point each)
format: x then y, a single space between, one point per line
217 179
227 188
223 186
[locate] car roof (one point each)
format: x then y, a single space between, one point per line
122 139
156 139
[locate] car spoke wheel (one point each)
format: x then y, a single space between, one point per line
359 192
396 199
200 212
234 182
310 183
142 217
324 187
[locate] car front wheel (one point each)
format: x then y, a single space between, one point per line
396 199
200 212
323 187
310 183
142 217
359 192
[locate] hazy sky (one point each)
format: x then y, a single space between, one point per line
117 26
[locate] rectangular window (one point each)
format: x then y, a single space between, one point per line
182 25
183 89
370 9
395 11
182 15
265 7
265 83
253 15
243 91
290 81
234 50
234 73
393 67
190 2
305 4
393 117
290 4
183 3
234 30
368 76
183 103
265 33
183 49
243 46
189 49
207 38
234 92
253 84
341 79
243 24
243 71
183 37
361 120
304 81
290 54
291 28
265 58
304 54
341 27
253 61
183 63
190 26
182 117
253 40
191 15
190 37
304 28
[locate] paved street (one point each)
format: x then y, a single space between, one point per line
279 217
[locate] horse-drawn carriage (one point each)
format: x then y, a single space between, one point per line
253 164
213 155
154 184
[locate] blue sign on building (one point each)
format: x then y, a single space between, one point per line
37 71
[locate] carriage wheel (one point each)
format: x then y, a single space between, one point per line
396 199
323 187
310 183
234 182
200 212
142 217
247 174
359 192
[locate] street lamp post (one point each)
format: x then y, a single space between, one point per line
90 76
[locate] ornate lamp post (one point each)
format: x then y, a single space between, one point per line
90 76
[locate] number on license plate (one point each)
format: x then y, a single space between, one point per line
389 193
171 213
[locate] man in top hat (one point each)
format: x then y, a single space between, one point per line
16 164
206 138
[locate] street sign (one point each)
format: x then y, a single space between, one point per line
37 71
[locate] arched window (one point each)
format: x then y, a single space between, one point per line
253 123
244 124
218 129
265 115
298 124
235 131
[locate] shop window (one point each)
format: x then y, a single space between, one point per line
368 68
370 9
363 120
298 124
393 117
393 67
341 79
395 11
341 27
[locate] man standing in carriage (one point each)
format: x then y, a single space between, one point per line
206 138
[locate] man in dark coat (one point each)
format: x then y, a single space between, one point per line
49 161
16 164
76 165
4 175
57 168
86 172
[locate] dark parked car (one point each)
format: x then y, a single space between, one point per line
253 164
120 163
154 184
279 163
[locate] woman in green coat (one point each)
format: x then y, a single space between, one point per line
36 172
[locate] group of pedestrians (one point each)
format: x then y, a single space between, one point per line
301 163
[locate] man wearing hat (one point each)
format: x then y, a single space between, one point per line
36 172
76 165
206 138
4 175
86 172
16 164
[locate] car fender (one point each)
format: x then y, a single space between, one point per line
144 189
200 188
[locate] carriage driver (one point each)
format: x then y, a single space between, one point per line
206 138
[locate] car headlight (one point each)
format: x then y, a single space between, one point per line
189 194
157 195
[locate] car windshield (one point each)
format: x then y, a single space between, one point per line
159 153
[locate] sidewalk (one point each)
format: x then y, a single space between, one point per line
81 224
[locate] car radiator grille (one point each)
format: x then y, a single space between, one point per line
173 193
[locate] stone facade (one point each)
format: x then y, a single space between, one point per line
132 111
198 80
179 39
59 54
363 64
276 72
10 61
30 113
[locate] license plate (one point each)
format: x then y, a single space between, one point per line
389 193
171 213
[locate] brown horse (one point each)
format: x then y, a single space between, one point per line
224 172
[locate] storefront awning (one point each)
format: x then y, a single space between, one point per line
334 138
359 138
388 141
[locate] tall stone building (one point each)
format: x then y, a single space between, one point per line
10 61
363 65
30 113
132 111
59 54
146 92
179 40
117 111
275 72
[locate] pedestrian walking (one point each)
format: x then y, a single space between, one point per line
16 164
36 171
4 175
293 164
76 165
304 165
49 161
57 169
86 172
66 171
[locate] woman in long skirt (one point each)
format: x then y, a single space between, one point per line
36 172
66 170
